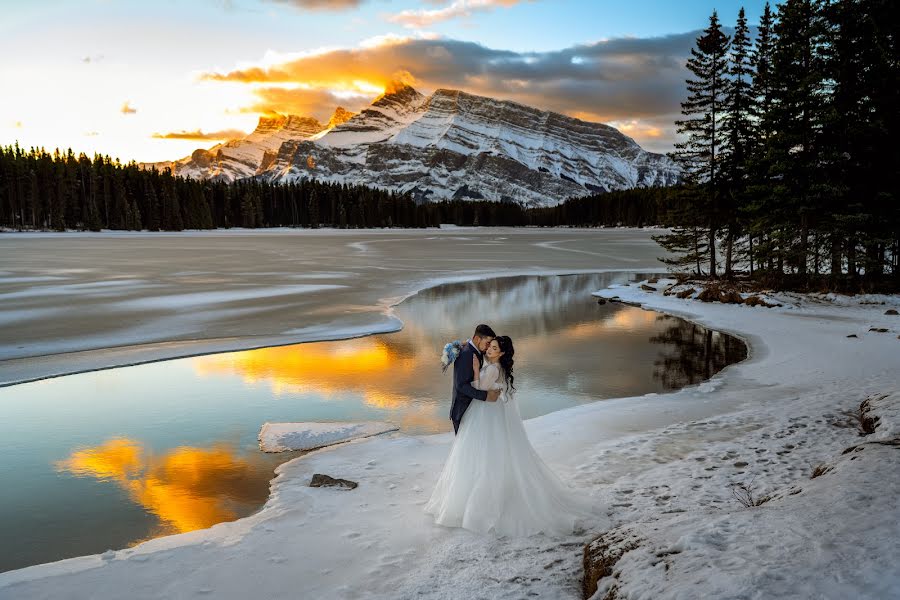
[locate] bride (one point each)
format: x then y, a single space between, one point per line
493 480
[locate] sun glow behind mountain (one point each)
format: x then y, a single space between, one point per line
131 81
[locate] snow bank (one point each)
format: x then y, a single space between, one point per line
282 437
788 498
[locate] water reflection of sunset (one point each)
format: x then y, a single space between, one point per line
627 320
388 371
367 365
630 319
187 488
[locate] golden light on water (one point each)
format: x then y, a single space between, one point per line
187 488
368 366
385 376
632 319
117 459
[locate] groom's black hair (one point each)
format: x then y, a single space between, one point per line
485 331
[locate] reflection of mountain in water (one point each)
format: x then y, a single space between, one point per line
568 350
693 353
521 306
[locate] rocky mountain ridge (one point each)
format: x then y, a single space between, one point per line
448 145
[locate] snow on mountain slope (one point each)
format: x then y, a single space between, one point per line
243 157
449 145
385 118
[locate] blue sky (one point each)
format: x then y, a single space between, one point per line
116 76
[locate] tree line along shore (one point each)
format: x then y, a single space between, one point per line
57 191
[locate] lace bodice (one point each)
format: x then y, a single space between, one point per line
489 378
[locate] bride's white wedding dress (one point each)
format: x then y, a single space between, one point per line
494 481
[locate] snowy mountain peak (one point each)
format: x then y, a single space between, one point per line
341 115
398 95
268 124
293 124
297 126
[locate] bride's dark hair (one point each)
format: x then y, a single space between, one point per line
506 361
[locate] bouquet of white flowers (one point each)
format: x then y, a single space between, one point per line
448 356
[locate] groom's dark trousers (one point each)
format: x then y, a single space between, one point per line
463 392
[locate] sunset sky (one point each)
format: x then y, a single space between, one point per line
154 81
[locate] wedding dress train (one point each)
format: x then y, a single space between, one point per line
494 481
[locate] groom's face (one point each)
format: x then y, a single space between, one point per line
482 343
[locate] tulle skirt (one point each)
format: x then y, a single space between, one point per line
494 481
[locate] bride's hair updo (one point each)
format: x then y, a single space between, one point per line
506 361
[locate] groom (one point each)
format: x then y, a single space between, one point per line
463 374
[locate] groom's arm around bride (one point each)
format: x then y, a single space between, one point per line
463 374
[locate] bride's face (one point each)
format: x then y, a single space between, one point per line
493 351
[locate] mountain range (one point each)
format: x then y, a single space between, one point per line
449 145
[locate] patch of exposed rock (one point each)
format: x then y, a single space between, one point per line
320 480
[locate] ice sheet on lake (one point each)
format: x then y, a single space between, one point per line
282 437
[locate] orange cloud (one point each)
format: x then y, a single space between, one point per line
635 127
317 103
225 134
127 109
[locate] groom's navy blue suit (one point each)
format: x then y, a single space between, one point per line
463 392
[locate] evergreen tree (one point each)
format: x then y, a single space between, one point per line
795 120
861 65
152 204
738 129
700 154
313 210
759 188
342 216
249 209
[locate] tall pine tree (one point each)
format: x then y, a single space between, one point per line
759 189
700 154
795 120
738 128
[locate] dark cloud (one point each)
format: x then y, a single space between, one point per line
611 80
225 134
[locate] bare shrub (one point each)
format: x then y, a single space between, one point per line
710 294
757 301
820 469
746 496
861 418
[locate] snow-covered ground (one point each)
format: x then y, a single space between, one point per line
663 466
282 437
